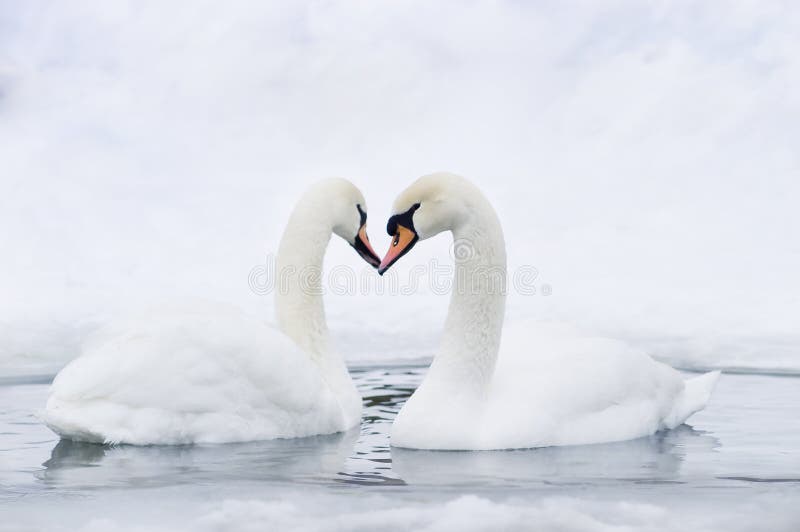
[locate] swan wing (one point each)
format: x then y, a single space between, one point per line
212 376
554 387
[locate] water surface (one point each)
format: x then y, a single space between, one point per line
744 447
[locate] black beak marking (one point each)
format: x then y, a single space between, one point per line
365 253
361 246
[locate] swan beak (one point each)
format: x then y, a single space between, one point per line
364 248
402 242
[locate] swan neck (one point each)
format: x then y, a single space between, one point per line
299 306
471 341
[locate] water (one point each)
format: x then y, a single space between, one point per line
744 449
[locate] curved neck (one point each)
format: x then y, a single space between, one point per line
298 285
466 359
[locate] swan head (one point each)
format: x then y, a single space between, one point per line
432 204
341 203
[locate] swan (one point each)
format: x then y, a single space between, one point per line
210 374
549 386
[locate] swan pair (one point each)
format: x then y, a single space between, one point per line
213 375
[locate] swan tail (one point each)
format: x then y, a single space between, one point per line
694 397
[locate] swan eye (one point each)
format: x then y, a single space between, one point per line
396 239
405 219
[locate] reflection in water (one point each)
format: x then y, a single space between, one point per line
365 457
74 464
655 459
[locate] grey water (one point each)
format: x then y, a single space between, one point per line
744 447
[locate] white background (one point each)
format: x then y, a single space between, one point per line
643 156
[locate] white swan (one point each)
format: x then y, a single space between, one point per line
210 374
548 387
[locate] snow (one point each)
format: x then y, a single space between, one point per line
641 157
468 513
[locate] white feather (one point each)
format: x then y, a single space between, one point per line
207 373
545 385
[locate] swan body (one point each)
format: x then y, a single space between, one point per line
209 373
546 385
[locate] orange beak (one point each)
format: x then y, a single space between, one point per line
402 242
364 248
